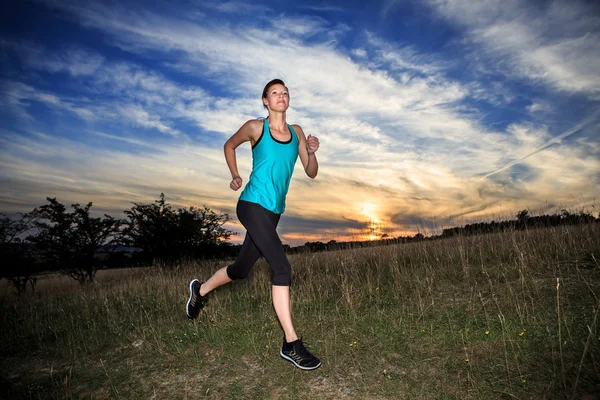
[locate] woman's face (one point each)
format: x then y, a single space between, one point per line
278 98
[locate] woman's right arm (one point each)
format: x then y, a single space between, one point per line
248 132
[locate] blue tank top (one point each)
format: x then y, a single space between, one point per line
272 167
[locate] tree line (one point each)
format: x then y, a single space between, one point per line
72 242
524 220
51 238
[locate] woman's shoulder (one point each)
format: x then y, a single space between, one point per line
254 123
253 127
298 130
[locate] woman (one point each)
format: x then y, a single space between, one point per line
275 148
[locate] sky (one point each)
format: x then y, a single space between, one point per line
430 113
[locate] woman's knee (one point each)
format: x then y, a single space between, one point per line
282 276
235 272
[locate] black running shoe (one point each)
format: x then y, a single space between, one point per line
296 353
196 302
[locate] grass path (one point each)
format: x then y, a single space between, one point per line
463 318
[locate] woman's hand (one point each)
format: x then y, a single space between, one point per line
312 144
236 183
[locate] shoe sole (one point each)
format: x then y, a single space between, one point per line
187 306
296 364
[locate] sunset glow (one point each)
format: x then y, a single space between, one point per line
478 114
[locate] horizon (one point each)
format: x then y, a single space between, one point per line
428 112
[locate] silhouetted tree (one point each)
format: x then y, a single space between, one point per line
522 215
167 235
68 240
18 262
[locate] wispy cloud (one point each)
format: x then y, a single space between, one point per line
142 118
387 6
528 140
557 43
340 9
404 59
17 97
403 135
234 7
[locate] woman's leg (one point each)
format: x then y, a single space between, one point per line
219 278
261 226
246 258
244 262
262 229
248 255
262 238
283 309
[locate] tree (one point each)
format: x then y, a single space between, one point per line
168 235
68 241
18 262
523 215
200 231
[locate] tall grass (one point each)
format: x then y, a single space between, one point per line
511 315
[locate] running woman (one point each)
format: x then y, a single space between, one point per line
275 148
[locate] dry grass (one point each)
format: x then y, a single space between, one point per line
462 318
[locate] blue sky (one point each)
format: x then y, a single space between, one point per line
430 113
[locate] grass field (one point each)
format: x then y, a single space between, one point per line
499 316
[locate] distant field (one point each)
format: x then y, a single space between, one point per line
499 316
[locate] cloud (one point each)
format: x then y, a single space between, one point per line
323 8
528 140
73 60
234 7
557 43
538 107
52 166
387 6
400 139
142 118
18 96
418 104
404 59
299 26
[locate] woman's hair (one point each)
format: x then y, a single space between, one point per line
268 86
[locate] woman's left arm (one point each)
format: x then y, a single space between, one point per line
307 147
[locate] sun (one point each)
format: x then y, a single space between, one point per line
371 211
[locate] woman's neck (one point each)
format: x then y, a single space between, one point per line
277 120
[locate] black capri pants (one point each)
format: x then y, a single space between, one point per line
261 240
